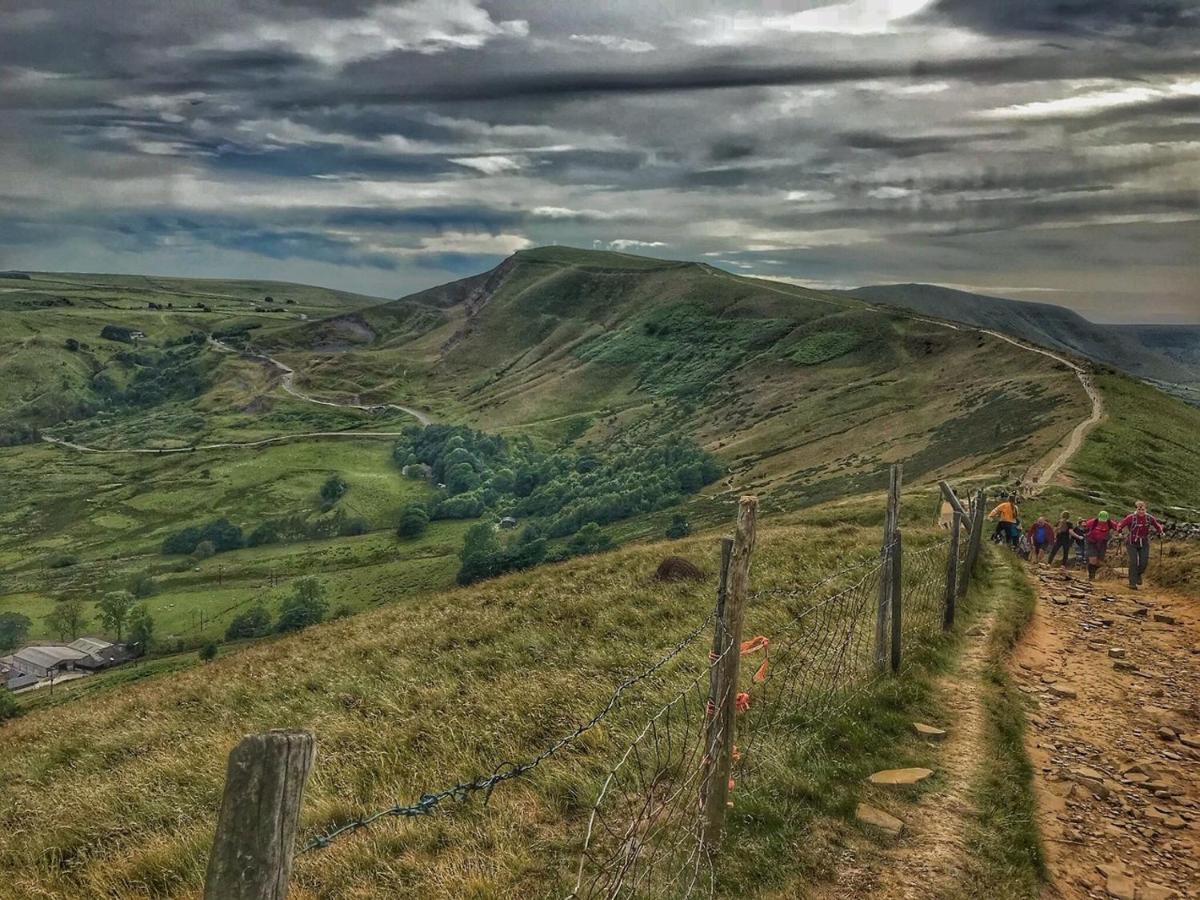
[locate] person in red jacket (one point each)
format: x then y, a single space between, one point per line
1138 523
1096 532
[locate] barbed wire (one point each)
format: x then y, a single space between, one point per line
507 770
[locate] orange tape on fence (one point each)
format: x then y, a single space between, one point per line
753 645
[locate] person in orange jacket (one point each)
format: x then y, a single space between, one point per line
1008 514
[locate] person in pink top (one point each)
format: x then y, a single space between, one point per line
1138 523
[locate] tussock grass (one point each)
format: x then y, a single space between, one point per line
117 797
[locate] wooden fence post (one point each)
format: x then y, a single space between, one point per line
974 545
712 731
896 596
952 574
891 522
715 793
952 499
251 857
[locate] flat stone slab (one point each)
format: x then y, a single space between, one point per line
879 819
928 731
900 776
1064 691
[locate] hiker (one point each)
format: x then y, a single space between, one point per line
1081 543
1008 514
1064 536
1041 538
1138 523
1096 532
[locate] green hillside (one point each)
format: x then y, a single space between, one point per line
600 399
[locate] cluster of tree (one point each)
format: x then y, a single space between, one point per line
305 605
565 488
13 434
118 333
290 529
484 554
205 540
158 376
118 612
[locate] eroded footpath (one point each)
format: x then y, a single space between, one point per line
1112 677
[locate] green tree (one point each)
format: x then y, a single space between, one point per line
208 652
13 629
480 555
8 706
413 521
143 585
333 489
254 622
589 539
679 527
305 606
114 609
66 619
204 550
141 630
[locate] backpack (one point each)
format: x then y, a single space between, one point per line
1097 531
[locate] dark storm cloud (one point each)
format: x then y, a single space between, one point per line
385 146
1135 19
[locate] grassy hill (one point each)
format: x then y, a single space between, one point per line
568 358
802 396
1159 353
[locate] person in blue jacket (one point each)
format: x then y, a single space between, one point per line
1041 538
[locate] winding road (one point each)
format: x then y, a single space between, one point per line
287 380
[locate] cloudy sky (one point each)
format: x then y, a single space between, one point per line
1039 149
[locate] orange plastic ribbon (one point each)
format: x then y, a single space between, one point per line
754 644
742 701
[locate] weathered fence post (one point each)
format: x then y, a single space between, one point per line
952 499
715 793
952 574
973 545
720 641
896 596
890 522
251 857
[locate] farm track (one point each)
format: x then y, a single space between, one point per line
287 376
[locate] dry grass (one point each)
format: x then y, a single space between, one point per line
117 797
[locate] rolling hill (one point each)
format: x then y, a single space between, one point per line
571 361
1169 355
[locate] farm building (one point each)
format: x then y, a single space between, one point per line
85 653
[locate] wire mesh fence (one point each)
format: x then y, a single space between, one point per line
703 724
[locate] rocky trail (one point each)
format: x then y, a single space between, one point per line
1113 680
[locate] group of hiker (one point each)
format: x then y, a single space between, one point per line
1089 538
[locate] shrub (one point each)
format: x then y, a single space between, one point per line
143 585
679 527
8 706
480 555
14 627
305 606
204 550
62 560
333 489
255 622
208 652
413 521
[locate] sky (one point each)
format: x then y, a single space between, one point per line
1038 149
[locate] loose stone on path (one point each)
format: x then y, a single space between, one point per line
879 819
928 731
895 777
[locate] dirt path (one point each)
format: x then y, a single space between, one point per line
287 381
928 858
1080 431
1115 737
